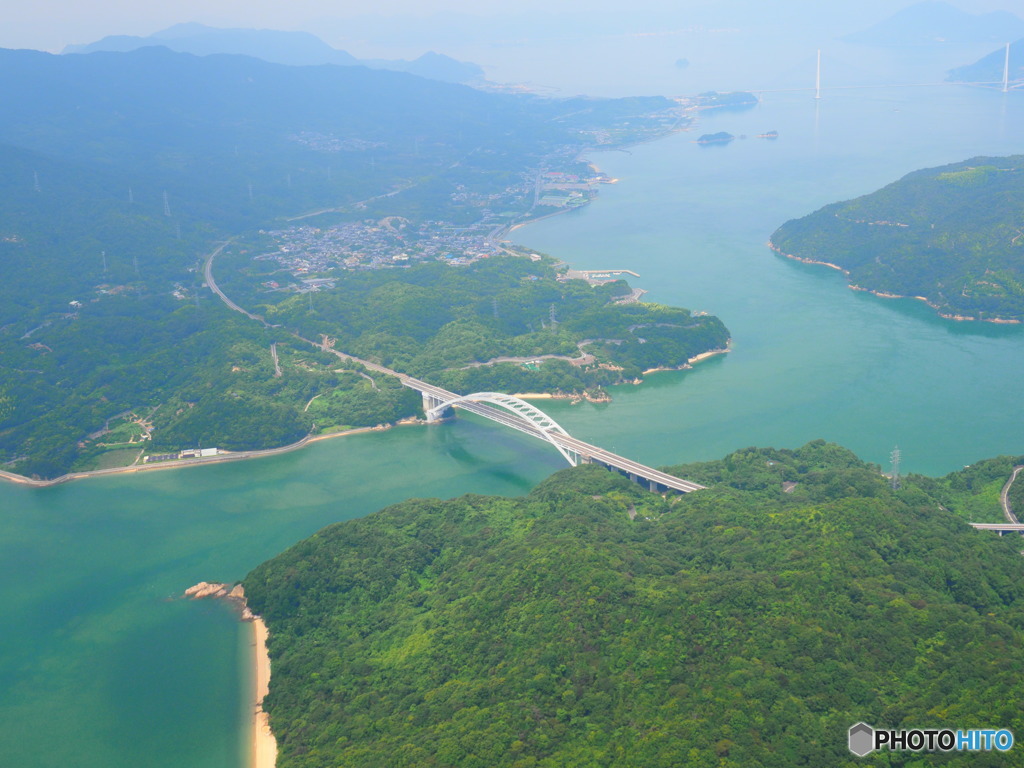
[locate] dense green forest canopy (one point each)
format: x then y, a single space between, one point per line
198 376
436 322
952 235
592 623
786 476
124 170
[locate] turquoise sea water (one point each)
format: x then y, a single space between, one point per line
811 358
100 666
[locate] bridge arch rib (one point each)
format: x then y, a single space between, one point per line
527 414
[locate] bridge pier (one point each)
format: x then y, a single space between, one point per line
429 404
652 485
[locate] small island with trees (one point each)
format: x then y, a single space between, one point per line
721 137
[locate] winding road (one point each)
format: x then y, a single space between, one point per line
212 284
585 452
1004 496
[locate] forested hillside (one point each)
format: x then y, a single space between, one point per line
438 322
953 235
206 129
592 623
123 171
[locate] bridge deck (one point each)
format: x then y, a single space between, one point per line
586 451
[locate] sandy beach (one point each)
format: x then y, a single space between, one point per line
262 747
705 355
263 753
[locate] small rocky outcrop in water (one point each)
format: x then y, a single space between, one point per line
233 593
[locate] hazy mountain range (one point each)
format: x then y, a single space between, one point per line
211 126
934 23
989 69
292 48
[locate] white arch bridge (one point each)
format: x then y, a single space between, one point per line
520 415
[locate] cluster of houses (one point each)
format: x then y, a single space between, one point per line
188 453
306 253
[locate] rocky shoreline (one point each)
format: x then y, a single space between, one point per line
262 744
233 594
884 295
573 397
577 397
689 363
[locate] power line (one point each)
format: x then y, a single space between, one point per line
894 477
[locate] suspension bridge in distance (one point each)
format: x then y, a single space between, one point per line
518 414
1005 85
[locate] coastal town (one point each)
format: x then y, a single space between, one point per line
301 258
304 252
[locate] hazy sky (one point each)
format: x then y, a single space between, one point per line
52 24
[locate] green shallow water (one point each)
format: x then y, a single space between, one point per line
100 666
94 646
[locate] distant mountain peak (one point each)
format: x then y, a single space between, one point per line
278 47
185 29
934 22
